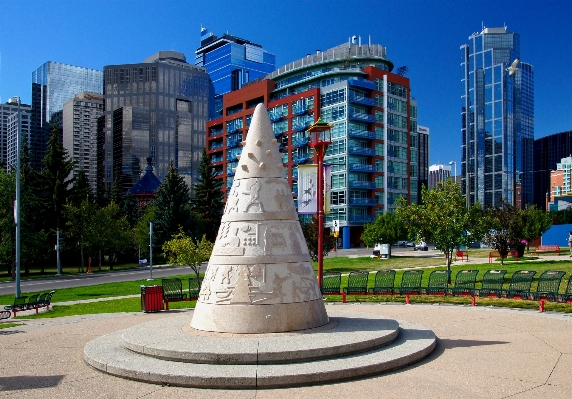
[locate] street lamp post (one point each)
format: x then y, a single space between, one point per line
18 199
455 175
320 139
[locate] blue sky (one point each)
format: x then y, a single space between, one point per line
424 35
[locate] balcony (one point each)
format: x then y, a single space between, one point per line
361 219
361 117
358 167
362 134
216 158
232 142
300 110
229 172
274 117
215 132
231 157
367 185
362 100
216 145
363 83
362 151
363 201
278 133
299 126
302 158
300 141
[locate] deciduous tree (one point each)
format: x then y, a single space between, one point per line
387 228
182 250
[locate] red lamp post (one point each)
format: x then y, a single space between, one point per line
320 139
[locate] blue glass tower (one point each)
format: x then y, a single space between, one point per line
497 120
231 62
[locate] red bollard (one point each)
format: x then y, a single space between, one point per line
541 307
407 301
473 301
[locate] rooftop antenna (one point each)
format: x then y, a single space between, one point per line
482 25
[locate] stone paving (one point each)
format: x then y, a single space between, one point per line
481 353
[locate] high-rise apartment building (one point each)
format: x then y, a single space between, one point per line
156 109
80 116
53 84
352 88
560 195
423 159
438 173
6 112
231 62
548 152
497 120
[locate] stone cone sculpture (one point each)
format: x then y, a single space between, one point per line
259 278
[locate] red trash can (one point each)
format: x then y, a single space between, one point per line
152 298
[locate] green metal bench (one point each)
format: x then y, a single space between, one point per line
172 291
548 285
567 296
465 281
357 283
47 300
194 287
32 302
331 284
18 305
384 283
411 283
519 286
438 283
492 284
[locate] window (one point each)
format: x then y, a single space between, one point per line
338 198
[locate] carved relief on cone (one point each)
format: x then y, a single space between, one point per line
260 278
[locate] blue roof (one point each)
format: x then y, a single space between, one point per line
148 184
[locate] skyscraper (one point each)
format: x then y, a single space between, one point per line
497 120
157 108
231 62
438 173
53 84
8 148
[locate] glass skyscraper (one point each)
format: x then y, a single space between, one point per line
497 120
231 62
53 84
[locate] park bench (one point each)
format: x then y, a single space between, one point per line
496 254
547 248
519 286
548 285
45 300
32 302
18 305
331 284
492 283
5 314
172 291
462 254
438 283
384 283
567 296
357 283
411 283
465 281
194 287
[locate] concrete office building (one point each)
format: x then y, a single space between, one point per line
80 116
231 62
53 84
158 109
351 87
6 112
497 120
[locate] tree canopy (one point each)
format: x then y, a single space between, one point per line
387 228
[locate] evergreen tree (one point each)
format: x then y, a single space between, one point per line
115 194
172 208
130 209
209 198
80 190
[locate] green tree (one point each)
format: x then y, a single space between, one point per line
80 190
130 209
140 233
310 231
209 197
442 219
172 208
80 225
184 251
536 222
110 234
387 228
7 225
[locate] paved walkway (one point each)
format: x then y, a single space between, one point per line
481 353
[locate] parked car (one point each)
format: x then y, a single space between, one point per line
421 246
409 244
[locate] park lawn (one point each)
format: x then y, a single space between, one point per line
345 265
8 325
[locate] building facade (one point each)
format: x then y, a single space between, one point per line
560 195
156 109
6 112
352 88
231 62
497 120
548 152
80 116
438 173
53 84
25 122
423 160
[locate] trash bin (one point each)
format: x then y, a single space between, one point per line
385 251
152 298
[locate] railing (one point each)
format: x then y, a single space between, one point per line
274 117
215 132
229 172
368 185
279 133
231 143
362 117
300 110
359 99
300 141
300 158
362 134
214 146
361 218
231 157
301 126
362 151
216 158
357 167
232 129
363 201
366 84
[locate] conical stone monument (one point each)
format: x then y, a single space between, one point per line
259 278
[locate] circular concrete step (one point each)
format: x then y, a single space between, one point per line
110 354
174 339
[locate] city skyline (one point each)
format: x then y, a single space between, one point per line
413 32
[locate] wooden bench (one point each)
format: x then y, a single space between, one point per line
438 283
194 287
464 255
172 291
331 284
547 248
384 283
411 284
492 284
496 254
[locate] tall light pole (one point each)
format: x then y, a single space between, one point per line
150 251
17 204
455 175
320 139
